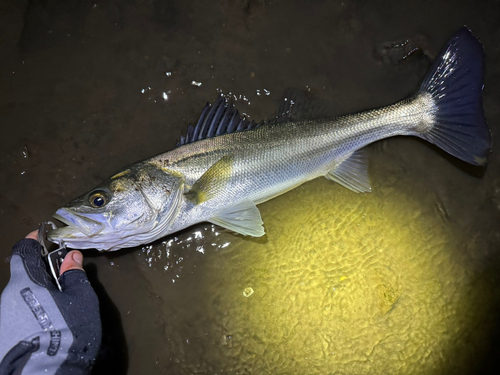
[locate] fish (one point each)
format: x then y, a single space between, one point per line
226 165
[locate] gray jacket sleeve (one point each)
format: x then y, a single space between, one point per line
43 330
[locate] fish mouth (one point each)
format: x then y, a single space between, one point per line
76 224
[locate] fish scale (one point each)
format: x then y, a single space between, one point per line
226 165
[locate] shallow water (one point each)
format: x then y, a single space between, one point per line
402 280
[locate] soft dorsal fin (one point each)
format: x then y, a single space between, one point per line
352 173
297 105
212 182
216 119
244 218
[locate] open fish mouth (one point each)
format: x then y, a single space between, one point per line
77 224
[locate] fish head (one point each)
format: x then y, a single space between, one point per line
122 211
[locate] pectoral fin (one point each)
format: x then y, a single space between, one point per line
243 218
212 182
352 173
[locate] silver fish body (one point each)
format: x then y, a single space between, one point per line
275 158
221 178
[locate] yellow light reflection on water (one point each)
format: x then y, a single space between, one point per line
344 283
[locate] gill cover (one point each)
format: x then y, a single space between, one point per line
143 204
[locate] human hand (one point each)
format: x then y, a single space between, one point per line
43 330
72 261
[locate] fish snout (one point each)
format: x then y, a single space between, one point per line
88 224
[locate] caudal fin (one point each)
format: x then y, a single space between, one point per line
455 83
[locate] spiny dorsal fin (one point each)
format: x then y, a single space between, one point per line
244 218
352 173
212 182
216 119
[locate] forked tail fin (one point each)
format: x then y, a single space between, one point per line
455 83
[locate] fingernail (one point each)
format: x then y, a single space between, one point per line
77 257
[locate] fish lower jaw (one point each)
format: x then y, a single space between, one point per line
61 234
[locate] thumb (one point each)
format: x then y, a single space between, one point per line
33 235
72 261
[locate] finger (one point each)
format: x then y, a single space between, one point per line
33 235
72 261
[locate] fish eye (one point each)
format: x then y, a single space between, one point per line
98 199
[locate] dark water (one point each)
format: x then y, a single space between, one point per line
403 280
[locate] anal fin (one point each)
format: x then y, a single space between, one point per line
352 173
244 218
